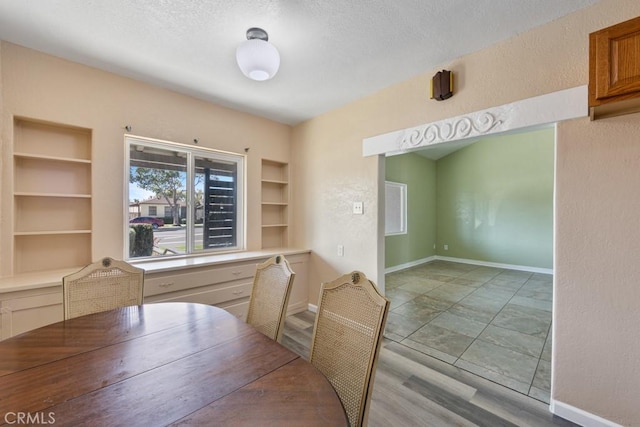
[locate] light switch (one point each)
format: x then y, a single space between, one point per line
358 208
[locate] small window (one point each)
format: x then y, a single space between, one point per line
395 197
200 192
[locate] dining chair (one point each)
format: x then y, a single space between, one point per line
270 296
101 286
347 336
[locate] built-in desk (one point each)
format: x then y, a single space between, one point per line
32 300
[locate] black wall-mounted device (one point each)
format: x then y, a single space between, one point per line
442 85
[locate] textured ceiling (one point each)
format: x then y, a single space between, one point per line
333 52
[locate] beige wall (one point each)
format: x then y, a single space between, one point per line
597 318
596 357
47 88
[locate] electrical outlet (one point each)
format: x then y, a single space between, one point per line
446 247
340 250
358 208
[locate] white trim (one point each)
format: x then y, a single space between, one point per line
295 308
380 238
395 225
313 308
579 416
469 261
409 265
497 265
540 110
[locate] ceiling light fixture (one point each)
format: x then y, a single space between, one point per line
257 58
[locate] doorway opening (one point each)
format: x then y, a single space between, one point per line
518 116
470 281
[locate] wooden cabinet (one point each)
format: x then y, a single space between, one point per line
51 196
227 285
29 309
32 300
223 286
614 70
275 204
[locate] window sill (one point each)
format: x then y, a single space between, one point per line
173 264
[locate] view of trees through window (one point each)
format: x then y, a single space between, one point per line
182 199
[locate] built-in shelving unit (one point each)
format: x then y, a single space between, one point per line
51 196
275 204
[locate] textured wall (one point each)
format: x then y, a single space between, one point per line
495 200
597 351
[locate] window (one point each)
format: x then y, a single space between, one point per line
200 190
395 196
153 211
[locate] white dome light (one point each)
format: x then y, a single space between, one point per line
257 58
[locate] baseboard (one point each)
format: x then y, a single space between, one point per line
313 308
468 261
296 308
408 265
579 416
496 264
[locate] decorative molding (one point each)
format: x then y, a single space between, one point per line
579 416
452 129
527 113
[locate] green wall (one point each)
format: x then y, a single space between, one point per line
491 201
419 173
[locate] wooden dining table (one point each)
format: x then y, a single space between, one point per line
156 365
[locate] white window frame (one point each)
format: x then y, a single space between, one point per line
395 222
191 152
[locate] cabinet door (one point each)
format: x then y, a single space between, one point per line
22 314
615 60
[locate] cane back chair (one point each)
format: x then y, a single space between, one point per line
270 296
346 340
101 286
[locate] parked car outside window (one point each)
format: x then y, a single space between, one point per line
155 222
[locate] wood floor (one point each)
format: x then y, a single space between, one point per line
413 389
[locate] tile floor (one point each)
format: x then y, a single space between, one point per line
489 321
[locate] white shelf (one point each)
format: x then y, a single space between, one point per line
62 195
52 203
276 182
50 232
275 203
51 158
